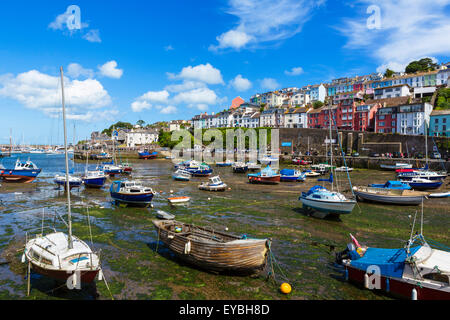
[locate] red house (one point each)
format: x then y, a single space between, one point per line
236 102
364 117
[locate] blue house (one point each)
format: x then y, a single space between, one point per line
440 123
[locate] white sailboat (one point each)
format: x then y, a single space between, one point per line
59 255
324 202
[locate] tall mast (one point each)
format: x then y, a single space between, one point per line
67 162
331 144
426 142
10 142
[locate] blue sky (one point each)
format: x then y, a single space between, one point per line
163 60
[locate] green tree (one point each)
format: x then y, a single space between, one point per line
425 64
389 73
443 99
117 125
140 123
317 104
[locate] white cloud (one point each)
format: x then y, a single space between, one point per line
109 69
269 83
40 91
203 72
93 36
240 84
155 96
294 71
169 110
232 39
410 30
75 70
197 96
185 86
168 48
138 106
262 21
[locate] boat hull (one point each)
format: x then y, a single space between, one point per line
291 178
94 182
264 180
400 200
425 186
328 207
241 256
19 176
133 199
146 156
240 169
72 184
86 276
398 287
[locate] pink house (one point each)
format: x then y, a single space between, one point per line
236 102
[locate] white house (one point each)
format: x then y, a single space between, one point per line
401 90
442 76
140 137
299 99
411 118
273 117
296 118
317 92
224 119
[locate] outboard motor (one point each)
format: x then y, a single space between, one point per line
345 254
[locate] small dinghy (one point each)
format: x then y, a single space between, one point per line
343 169
440 195
391 185
213 250
160 214
181 175
311 174
240 167
214 184
175 200
265 176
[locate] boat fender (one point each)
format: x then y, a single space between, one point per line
387 285
23 258
100 275
366 281
414 294
170 236
346 274
187 247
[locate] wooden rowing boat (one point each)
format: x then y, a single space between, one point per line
212 250
178 199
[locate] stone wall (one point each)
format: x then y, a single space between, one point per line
362 142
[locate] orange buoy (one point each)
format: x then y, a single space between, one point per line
285 288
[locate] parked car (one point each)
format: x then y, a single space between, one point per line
374 155
397 154
355 154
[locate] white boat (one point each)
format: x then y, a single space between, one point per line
311 174
58 255
74 182
182 175
252 166
343 169
325 202
240 167
214 184
269 160
398 165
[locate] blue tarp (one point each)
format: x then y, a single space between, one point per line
390 261
287 172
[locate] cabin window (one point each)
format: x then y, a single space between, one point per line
435 276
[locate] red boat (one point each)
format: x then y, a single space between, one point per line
266 176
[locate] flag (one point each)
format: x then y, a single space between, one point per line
355 241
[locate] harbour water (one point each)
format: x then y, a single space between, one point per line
138 266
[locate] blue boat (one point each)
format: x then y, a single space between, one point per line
227 163
292 175
181 175
131 193
147 155
198 170
391 184
23 172
94 179
424 184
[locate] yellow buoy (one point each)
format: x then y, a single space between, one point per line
285 288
